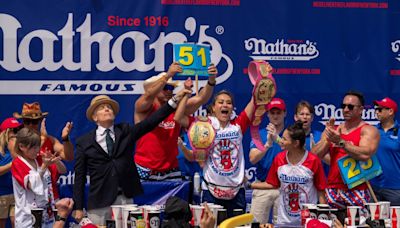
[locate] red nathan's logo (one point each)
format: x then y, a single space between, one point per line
352 4
202 2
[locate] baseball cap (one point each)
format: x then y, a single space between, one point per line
276 103
387 103
9 123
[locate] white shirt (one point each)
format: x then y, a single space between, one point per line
37 196
101 136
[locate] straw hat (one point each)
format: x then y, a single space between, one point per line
30 111
98 100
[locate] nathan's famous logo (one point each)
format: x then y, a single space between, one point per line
396 48
327 111
16 52
290 50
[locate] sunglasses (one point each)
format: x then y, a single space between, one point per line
349 106
379 109
31 121
169 87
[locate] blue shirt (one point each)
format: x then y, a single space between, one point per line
6 186
388 154
262 166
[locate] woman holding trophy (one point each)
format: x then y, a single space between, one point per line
216 140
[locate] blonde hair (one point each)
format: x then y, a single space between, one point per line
28 138
4 140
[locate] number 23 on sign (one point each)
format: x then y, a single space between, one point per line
356 172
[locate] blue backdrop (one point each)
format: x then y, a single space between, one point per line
61 53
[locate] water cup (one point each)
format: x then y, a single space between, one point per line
117 215
385 209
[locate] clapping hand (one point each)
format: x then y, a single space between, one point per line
67 130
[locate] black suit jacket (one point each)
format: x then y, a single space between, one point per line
107 173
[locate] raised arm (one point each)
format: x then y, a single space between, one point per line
205 94
321 148
64 149
250 109
144 103
148 124
180 114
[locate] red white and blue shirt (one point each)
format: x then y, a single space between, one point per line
298 184
38 195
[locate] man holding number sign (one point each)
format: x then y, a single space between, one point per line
156 152
355 138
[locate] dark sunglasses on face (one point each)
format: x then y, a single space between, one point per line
349 106
31 121
169 87
379 109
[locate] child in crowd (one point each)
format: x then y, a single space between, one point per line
31 182
297 173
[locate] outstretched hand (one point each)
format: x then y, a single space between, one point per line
43 130
67 130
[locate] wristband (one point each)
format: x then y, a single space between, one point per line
211 84
65 139
59 218
172 103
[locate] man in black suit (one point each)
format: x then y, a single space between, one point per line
106 155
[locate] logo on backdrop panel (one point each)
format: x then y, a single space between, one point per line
395 47
16 56
286 50
281 50
323 112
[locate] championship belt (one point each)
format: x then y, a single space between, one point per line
201 137
264 90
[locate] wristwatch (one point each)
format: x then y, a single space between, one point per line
342 143
59 218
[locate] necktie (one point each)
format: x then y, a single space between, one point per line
109 142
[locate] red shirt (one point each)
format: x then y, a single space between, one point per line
158 149
334 178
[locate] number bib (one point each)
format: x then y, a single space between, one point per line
201 137
356 172
264 90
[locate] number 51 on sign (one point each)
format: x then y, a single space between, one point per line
193 58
